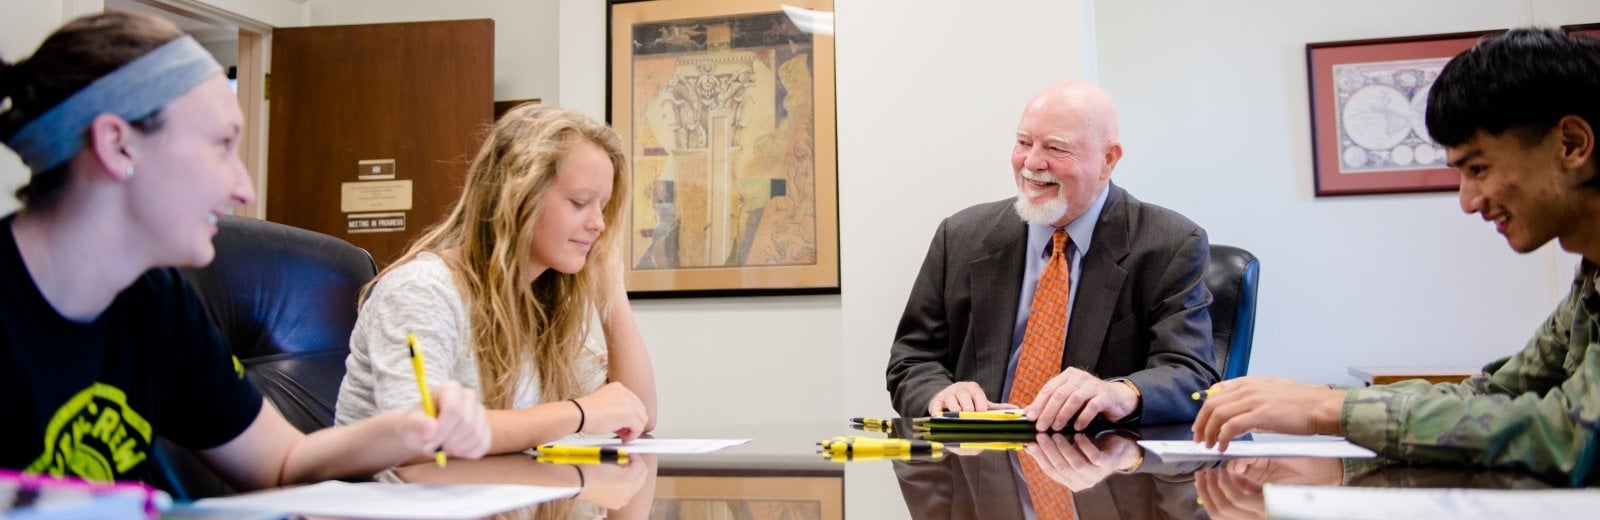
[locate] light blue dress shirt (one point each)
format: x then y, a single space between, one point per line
1080 235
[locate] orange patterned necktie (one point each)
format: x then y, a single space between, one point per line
1051 500
1040 360
1046 333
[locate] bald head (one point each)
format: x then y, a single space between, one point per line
1081 103
1066 148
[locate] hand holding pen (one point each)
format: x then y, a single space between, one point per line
452 419
1266 404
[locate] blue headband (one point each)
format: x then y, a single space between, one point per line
133 91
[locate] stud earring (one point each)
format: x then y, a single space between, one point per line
128 172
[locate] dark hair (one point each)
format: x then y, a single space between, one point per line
1523 81
70 59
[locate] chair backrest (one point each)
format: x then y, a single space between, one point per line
1231 277
285 301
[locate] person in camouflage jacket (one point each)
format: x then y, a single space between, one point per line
1516 114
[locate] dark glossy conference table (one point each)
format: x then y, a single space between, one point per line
780 475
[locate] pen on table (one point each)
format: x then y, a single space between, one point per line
884 446
991 414
1205 393
422 383
858 439
1014 446
872 424
575 454
869 456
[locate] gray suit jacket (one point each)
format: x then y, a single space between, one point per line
1140 311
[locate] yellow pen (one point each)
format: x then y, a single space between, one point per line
1015 446
572 454
872 455
991 414
1205 393
884 447
856 439
873 425
422 383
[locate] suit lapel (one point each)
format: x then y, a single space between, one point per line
995 284
1101 280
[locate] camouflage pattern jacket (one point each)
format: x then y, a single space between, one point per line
1535 410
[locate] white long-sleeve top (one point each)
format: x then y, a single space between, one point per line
421 297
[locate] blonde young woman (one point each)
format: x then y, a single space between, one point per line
508 294
130 133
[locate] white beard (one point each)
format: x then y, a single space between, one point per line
1039 214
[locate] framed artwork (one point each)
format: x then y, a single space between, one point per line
755 498
1368 98
726 112
1588 29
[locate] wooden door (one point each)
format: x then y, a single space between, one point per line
341 97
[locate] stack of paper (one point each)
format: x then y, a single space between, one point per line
18 503
27 496
379 500
641 446
1358 503
1189 450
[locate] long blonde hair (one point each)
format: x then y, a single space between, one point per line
490 233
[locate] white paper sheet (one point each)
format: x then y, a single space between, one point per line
399 501
672 446
1190 450
1357 503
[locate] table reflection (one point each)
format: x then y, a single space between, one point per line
608 490
1109 476
1105 472
780 475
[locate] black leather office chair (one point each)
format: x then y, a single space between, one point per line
1231 277
285 300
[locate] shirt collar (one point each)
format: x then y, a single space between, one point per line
1080 230
1586 282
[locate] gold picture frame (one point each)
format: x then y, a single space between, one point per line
726 109
756 498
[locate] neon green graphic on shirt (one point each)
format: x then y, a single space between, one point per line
95 435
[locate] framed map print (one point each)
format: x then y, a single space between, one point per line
1368 99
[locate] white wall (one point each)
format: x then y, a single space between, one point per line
581 54
525 35
24 26
1215 123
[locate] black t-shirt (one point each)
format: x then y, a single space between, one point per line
88 399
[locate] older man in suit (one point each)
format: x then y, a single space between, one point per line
1073 300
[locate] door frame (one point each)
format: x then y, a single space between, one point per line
254 67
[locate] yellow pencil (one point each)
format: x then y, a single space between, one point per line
422 383
1207 393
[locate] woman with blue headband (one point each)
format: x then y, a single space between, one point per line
131 134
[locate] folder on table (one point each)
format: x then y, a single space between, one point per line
990 421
